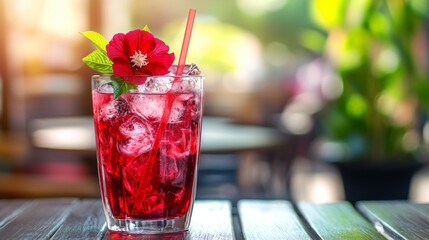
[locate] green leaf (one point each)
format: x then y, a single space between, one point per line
98 61
146 28
120 86
97 39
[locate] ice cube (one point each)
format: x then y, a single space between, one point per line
114 110
179 107
173 150
168 169
187 85
133 172
177 111
108 111
196 108
189 69
178 144
148 106
105 88
151 107
137 136
173 171
157 85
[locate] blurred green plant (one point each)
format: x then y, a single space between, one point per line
378 48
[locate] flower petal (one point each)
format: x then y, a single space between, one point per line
115 47
123 46
139 40
160 47
160 63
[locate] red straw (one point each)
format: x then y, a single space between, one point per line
186 40
166 114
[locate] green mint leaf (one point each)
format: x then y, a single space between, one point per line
120 86
146 28
98 61
98 39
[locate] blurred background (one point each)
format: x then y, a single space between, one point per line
331 96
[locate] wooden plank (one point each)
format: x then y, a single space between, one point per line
165 236
39 220
9 209
85 221
398 219
270 220
337 221
211 220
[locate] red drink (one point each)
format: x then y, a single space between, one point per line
147 169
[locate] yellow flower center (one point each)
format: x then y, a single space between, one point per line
139 59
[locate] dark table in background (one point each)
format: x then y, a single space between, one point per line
223 142
219 135
71 218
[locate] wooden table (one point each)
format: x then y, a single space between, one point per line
70 218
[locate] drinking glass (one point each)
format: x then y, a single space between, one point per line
147 143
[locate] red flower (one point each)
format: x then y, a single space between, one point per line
138 52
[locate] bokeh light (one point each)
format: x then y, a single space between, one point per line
231 57
257 7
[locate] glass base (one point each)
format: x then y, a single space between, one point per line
133 226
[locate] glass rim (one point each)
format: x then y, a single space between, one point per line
190 69
148 76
